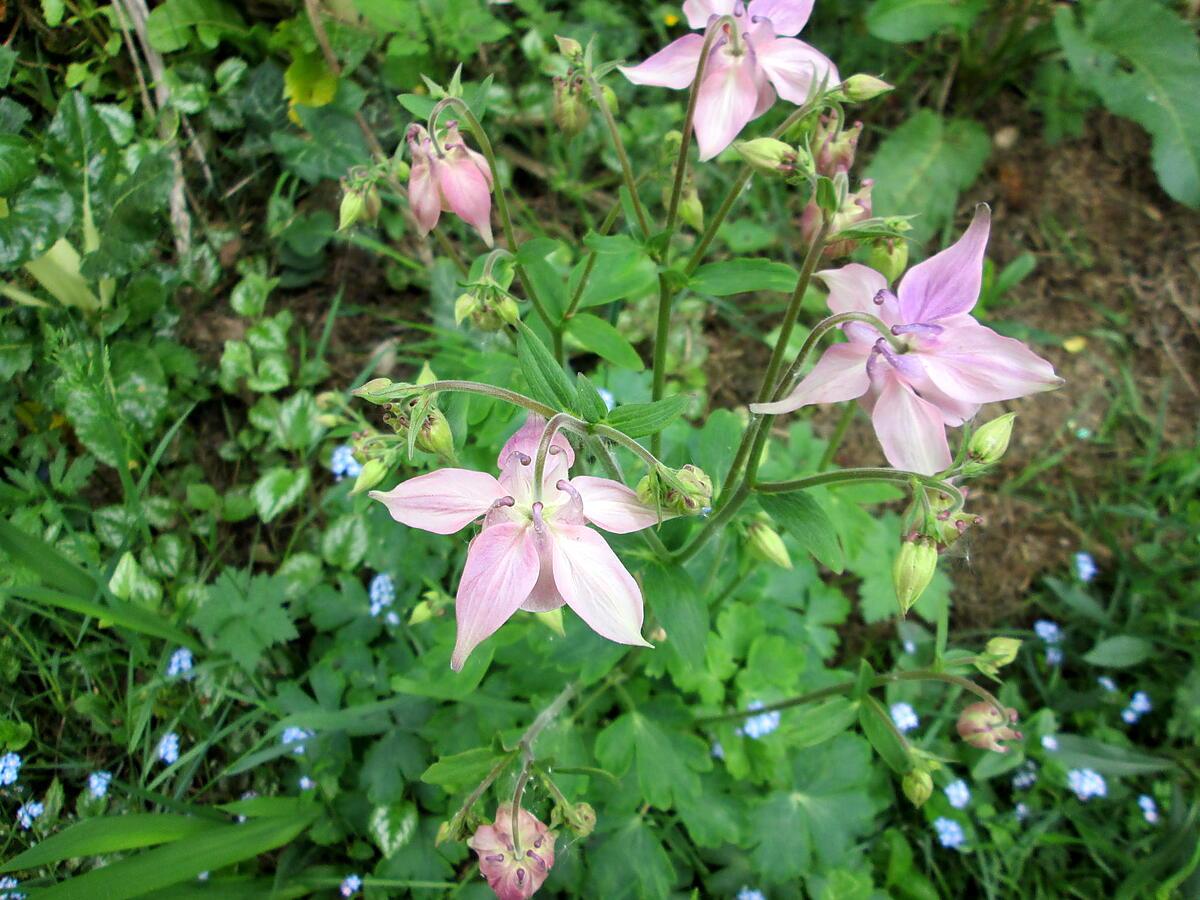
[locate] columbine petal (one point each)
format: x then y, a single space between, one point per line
466 192
840 374
423 197
795 68
698 12
787 16
727 101
526 439
674 66
443 501
501 570
910 430
596 585
613 506
948 282
972 363
853 288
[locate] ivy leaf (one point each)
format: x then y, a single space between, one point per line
37 217
278 490
345 541
243 615
17 163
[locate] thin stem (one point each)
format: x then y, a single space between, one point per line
522 780
714 522
622 156
839 434
605 227
843 476
662 334
485 147
539 463
487 390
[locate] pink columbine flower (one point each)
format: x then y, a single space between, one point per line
746 68
513 875
453 178
532 554
950 364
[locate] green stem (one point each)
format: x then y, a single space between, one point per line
614 472
844 476
556 422
622 156
487 390
662 334
604 229
839 434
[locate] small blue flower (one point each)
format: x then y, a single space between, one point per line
295 737
761 725
1021 811
306 783
1085 567
1086 783
1025 777
8 889
958 794
1140 703
905 717
343 464
10 768
98 783
168 748
718 752
949 832
910 647
1149 808
1130 715
28 812
392 619
1054 656
1107 683
351 885
180 663
1048 631
382 593
1049 742
749 893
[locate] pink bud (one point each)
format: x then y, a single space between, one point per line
982 726
514 875
834 150
449 178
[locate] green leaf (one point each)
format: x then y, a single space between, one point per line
642 419
129 224
243 615
814 725
902 21
588 400
675 599
743 276
622 270
806 520
393 827
1119 652
923 166
880 731
546 379
667 760
1144 62
37 555
454 773
631 863
17 163
37 218
8 59
171 24
183 860
109 834
1076 752
345 541
83 149
597 336
278 490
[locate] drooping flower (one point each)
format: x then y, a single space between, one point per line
1086 783
747 67
958 794
981 725
448 176
98 783
904 717
513 874
532 554
949 365
950 833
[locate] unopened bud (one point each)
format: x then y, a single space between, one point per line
982 725
426 375
998 653
988 443
570 48
450 830
918 786
889 257
422 612
764 543
436 436
690 495
691 209
860 88
372 472
570 112
360 203
767 155
581 819
834 147
913 571
329 420
610 99
376 390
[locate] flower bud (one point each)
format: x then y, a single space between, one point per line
360 203
918 786
765 544
988 443
422 612
377 390
982 725
690 495
581 819
570 112
610 99
767 155
426 375
860 88
436 436
913 570
570 48
691 210
487 306
889 257
998 653
515 866
834 148
372 472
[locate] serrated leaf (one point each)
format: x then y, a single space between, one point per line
675 599
743 276
453 773
806 520
668 761
278 490
243 615
642 419
631 863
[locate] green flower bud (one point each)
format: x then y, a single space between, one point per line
373 472
581 819
988 443
610 99
765 544
436 436
570 48
692 496
913 570
889 258
360 203
426 375
570 112
422 612
998 653
918 786
859 88
465 306
768 155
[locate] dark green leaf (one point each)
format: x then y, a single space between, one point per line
37 217
171 24
454 773
631 864
597 336
1075 752
743 276
1119 652
675 599
806 520
109 834
880 731
588 400
901 21
546 379
641 419
17 163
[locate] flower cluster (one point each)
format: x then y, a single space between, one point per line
180 663
949 832
1139 705
168 748
343 464
293 738
10 769
904 717
1149 808
958 794
28 812
760 726
382 594
8 888
98 783
1087 783
1026 776
350 885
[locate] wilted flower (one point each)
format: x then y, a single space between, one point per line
949 364
747 66
450 177
1149 808
350 886
10 768
1085 567
1086 783
168 748
958 794
949 832
981 725
856 208
904 717
28 812
343 464
294 738
535 551
180 663
514 875
98 783
760 726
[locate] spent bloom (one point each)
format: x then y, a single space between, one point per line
448 176
98 783
748 66
1086 783
168 748
343 464
28 812
10 768
947 366
294 738
904 717
958 794
535 551
180 663
949 832
760 726
1149 808
350 885
1085 567
514 869
982 725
